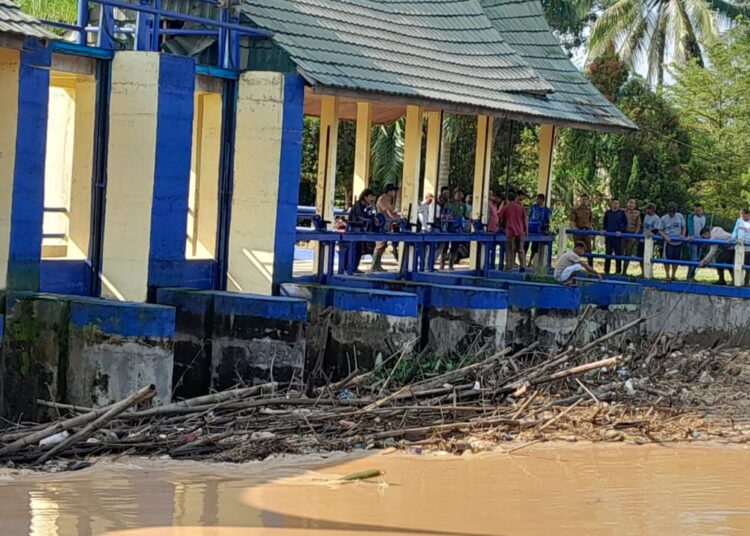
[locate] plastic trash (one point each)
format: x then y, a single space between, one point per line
54 439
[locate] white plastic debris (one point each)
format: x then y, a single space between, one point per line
54 439
629 387
477 386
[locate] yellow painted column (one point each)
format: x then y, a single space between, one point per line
79 228
432 153
412 164
546 151
204 176
10 61
327 151
133 110
362 150
482 169
266 181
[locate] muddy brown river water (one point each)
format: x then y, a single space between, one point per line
544 489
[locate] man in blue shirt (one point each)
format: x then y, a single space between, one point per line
540 217
615 221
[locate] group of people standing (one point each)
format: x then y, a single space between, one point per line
451 212
677 231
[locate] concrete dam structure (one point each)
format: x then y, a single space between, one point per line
148 199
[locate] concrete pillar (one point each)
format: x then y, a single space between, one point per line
739 264
79 209
648 256
148 170
362 149
432 153
412 164
546 151
327 151
482 169
266 187
24 93
204 176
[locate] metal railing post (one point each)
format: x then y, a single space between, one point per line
648 256
83 21
739 263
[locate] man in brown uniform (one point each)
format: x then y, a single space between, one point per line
583 220
630 248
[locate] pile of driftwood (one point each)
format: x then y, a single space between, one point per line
579 393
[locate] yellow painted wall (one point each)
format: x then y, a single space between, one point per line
204 176
9 67
79 224
432 152
130 185
546 153
256 171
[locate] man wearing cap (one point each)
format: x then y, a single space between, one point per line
674 226
385 206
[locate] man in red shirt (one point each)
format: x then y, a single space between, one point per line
493 211
514 217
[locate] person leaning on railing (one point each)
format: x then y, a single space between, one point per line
717 253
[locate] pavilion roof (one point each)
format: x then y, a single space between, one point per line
495 57
15 21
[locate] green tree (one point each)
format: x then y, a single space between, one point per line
713 103
657 31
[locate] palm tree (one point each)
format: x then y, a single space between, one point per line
657 31
387 153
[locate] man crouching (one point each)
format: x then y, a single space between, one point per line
571 263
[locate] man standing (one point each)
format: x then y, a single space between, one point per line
651 226
540 218
583 220
616 222
630 245
571 263
514 217
426 214
674 228
696 222
384 206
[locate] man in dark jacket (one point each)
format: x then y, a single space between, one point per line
615 221
360 217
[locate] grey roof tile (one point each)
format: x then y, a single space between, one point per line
491 56
15 21
416 48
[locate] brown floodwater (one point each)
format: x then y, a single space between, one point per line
553 489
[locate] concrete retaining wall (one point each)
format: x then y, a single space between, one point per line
350 329
701 319
82 351
116 348
226 338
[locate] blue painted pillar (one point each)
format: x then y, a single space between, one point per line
25 80
267 165
149 156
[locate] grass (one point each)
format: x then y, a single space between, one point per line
56 10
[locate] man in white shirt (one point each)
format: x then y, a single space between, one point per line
571 263
426 213
725 256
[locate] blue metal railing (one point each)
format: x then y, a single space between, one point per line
148 29
660 239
